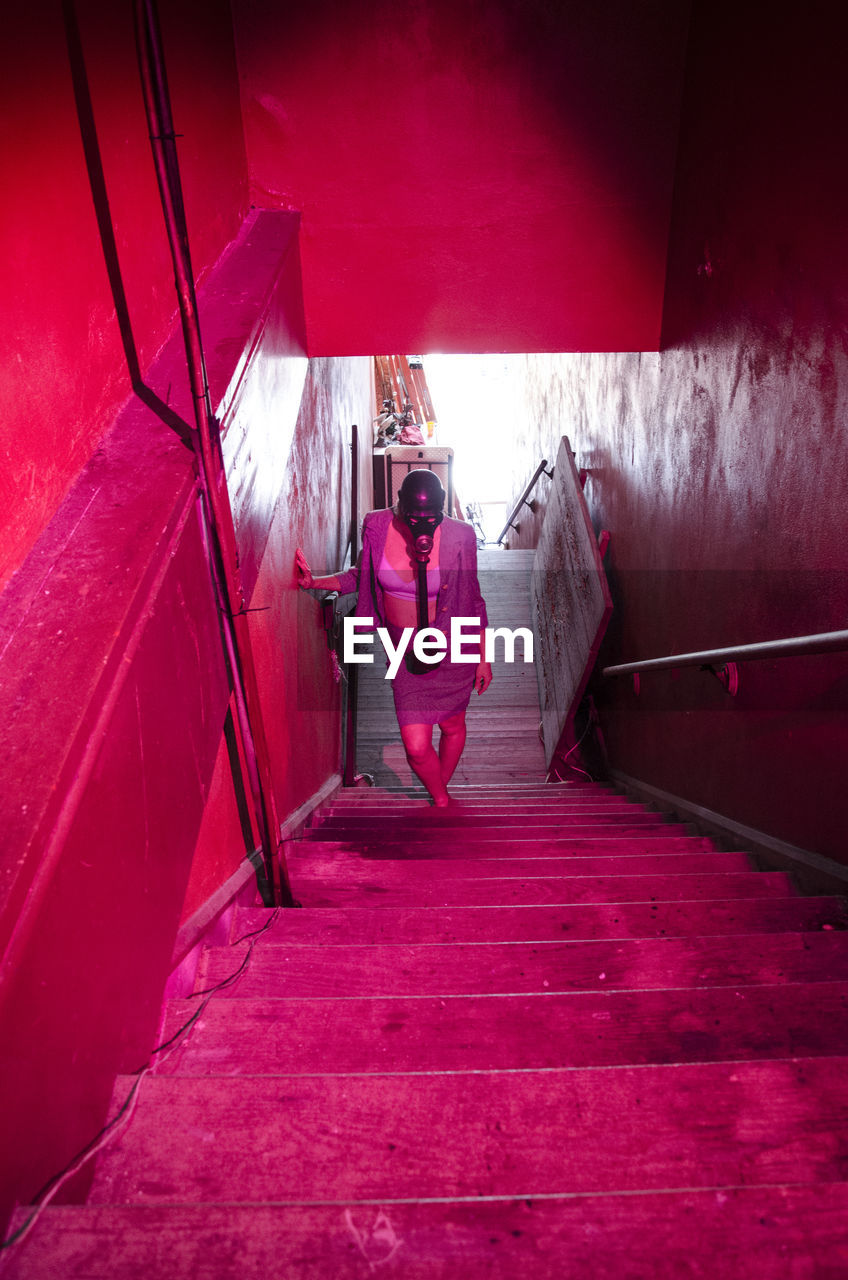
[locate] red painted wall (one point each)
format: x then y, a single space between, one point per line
488 175
71 85
113 795
301 699
720 465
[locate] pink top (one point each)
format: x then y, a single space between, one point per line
394 585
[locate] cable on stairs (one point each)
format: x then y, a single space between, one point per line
120 1121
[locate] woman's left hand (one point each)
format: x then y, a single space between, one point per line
483 677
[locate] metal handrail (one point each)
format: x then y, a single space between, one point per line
824 642
543 466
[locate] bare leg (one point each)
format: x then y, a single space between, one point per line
418 744
451 745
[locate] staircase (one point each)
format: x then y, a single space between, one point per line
549 1034
545 1033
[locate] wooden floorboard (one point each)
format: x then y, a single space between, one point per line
587 965
738 1233
500 891
517 844
480 1133
409 925
586 1029
431 834
335 867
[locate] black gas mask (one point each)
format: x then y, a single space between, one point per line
421 502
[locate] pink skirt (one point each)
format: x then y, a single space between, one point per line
433 696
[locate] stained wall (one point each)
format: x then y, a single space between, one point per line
719 464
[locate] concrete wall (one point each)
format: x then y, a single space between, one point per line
720 465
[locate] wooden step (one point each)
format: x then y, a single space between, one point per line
459 818
514 1133
333 925
498 891
450 847
557 806
581 790
551 831
496 968
790 1231
340 867
466 1033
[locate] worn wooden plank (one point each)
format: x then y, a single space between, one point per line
450 847
331 925
476 1134
790 1231
349 869
471 968
455 819
313 892
465 1033
402 806
574 830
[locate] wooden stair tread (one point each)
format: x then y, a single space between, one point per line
541 889
409 806
419 810
480 1133
662 1235
476 968
607 1028
330 925
469 846
338 866
434 821
550 831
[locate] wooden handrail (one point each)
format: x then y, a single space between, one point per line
543 466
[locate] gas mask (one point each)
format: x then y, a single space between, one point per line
421 501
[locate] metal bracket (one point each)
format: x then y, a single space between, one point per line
727 675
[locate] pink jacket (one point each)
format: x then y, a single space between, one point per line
459 591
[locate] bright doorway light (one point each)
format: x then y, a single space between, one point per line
475 399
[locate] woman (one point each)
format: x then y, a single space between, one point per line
385 581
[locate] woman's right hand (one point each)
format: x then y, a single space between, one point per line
305 579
